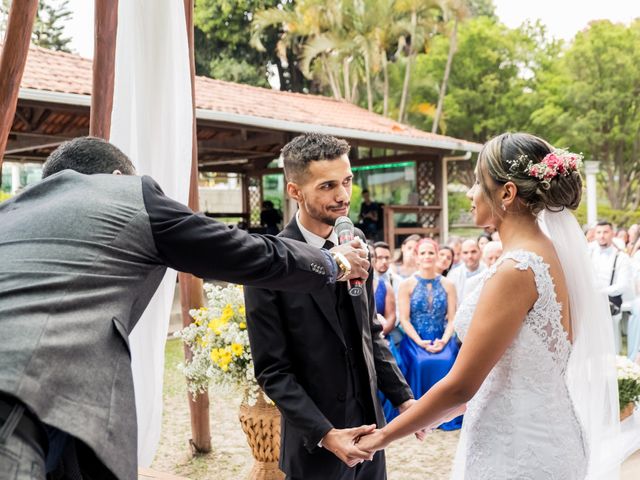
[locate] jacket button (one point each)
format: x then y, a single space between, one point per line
342 397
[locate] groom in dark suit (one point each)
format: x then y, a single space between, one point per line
320 356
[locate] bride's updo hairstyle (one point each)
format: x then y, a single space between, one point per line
545 177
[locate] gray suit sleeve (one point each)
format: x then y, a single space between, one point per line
192 243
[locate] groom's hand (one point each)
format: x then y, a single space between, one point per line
342 443
403 407
358 256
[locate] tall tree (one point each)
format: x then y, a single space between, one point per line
48 29
422 24
591 98
223 44
458 10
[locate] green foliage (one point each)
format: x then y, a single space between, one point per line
458 203
487 92
48 28
619 218
628 391
590 102
482 8
222 34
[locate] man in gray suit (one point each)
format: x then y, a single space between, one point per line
80 258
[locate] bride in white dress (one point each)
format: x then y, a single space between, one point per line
536 368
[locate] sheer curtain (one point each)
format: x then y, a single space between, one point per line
151 122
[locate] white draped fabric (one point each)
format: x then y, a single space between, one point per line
152 123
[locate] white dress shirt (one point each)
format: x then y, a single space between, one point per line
465 280
603 259
313 239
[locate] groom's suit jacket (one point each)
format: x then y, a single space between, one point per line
303 360
80 258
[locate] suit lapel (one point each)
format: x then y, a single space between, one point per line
325 298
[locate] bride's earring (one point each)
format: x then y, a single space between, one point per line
504 208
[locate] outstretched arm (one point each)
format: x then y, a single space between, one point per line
491 332
191 242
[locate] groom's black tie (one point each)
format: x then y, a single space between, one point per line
328 245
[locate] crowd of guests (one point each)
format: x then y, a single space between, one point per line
417 295
416 298
616 259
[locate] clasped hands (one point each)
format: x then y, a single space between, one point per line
432 346
355 445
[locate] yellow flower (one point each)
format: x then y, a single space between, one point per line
242 310
237 349
215 354
215 326
243 325
227 313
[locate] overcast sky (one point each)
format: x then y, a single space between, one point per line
563 18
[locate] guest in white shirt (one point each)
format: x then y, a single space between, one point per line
470 267
613 283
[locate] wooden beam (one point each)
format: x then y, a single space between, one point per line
30 148
238 143
190 286
398 158
104 61
12 63
38 118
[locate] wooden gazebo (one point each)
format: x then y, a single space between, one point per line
240 129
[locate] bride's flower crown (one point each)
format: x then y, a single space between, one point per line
558 162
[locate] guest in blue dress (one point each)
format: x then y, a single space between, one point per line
427 304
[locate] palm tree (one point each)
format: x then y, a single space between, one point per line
459 11
423 20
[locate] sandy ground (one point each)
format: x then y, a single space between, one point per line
231 458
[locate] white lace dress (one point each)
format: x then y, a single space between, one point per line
521 423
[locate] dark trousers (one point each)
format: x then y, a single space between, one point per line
373 470
21 458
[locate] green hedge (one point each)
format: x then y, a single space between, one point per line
619 218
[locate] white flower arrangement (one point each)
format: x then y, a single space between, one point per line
628 373
219 342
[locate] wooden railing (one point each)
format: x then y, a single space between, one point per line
391 230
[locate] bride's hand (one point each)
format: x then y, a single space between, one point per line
372 442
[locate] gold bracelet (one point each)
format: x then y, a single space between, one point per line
343 265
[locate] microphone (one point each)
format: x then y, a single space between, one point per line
344 230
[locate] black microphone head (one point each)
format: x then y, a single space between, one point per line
343 224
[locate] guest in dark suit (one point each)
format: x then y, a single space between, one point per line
320 356
81 255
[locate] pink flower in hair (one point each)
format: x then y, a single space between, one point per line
558 162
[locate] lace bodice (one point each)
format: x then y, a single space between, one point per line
428 308
521 423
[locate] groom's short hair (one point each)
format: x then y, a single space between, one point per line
88 155
307 148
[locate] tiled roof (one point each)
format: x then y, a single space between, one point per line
61 72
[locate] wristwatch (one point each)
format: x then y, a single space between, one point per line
343 265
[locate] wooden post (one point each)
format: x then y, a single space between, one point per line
190 286
12 63
104 61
